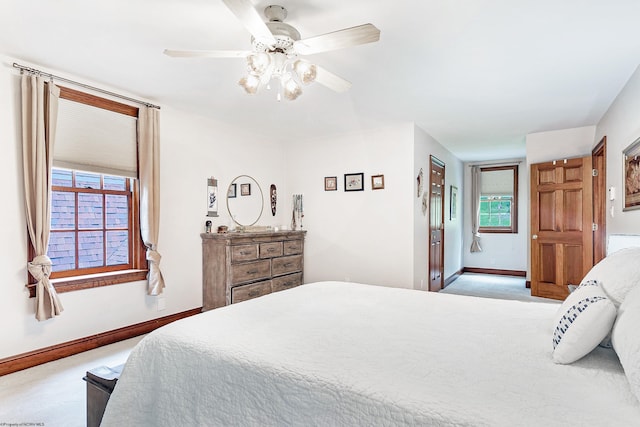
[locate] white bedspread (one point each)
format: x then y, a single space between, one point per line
344 354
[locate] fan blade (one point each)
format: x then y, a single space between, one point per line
206 53
330 80
362 34
249 17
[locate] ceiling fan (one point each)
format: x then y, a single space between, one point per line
276 51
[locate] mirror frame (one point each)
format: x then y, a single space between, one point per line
261 200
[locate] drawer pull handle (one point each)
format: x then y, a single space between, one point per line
271 250
253 294
245 253
288 264
252 271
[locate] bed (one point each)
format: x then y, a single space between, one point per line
346 354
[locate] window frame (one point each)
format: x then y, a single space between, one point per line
513 228
90 278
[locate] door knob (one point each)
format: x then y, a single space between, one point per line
534 237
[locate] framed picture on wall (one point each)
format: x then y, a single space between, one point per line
231 193
453 202
245 189
377 182
353 182
330 183
631 157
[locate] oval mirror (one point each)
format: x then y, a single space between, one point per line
245 200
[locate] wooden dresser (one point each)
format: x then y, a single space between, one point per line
240 266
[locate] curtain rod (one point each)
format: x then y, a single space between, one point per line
488 165
51 76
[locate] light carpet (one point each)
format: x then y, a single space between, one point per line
53 394
493 286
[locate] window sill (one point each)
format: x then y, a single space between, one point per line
69 284
498 230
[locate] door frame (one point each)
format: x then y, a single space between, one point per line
433 160
599 164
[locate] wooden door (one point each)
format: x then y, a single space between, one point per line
436 225
561 221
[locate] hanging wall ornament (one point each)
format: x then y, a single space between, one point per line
420 180
274 198
212 197
425 204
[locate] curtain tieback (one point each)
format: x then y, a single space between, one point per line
156 281
40 267
154 257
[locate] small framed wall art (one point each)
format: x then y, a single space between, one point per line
631 157
330 183
231 193
245 189
354 182
377 182
453 202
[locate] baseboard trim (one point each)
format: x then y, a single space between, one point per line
451 278
517 273
33 358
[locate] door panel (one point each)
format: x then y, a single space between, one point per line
436 225
561 236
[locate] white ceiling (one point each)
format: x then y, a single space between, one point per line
477 75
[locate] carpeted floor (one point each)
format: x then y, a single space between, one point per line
493 286
53 394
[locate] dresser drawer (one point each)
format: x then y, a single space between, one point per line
292 247
249 271
254 290
286 282
287 264
270 250
244 253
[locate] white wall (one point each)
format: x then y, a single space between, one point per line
621 126
500 251
425 146
360 236
192 149
381 236
559 144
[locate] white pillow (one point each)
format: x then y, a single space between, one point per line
583 321
618 273
587 288
626 339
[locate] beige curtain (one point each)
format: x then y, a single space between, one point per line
476 186
149 176
39 115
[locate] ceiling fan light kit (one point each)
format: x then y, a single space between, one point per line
276 47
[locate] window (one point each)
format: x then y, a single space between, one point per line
95 233
91 217
499 199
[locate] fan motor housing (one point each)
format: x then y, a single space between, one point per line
284 34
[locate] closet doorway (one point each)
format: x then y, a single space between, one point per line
436 225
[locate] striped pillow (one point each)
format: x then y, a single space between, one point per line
585 319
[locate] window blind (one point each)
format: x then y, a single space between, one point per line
497 182
95 140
